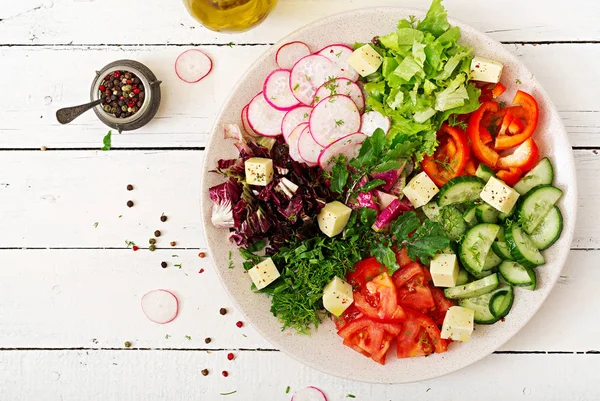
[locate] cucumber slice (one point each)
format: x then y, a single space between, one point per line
461 189
476 245
463 277
519 275
541 174
470 217
536 205
491 260
502 302
484 172
549 230
522 247
486 214
473 289
500 247
431 210
451 220
483 305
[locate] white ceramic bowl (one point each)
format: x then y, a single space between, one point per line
323 350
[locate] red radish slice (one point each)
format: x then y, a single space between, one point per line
277 92
263 118
290 53
308 74
339 55
308 148
293 118
246 124
334 117
372 120
192 65
160 306
292 141
342 86
347 146
309 393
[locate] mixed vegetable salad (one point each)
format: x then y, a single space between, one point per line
385 185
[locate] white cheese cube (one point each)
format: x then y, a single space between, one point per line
499 195
259 171
365 60
444 270
337 296
333 218
486 70
420 190
458 323
264 273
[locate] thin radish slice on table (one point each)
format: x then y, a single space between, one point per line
372 120
347 146
292 141
342 86
293 118
192 65
246 124
277 92
160 306
289 54
308 148
309 393
339 55
264 118
334 117
308 74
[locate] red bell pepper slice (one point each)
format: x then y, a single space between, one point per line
510 176
477 133
516 126
525 156
450 157
530 114
498 90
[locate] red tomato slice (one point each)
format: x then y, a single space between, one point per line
416 295
442 304
439 344
364 271
349 315
402 257
370 338
380 300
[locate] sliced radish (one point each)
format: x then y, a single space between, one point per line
192 65
347 146
342 86
293 118
309 149
245 123
277 92
292 141
160 306
309 393
308 74
372 120
334 117
339 55
290 53
264 118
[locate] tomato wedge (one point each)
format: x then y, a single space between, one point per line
477 134
370 338
529 112
364 271
510 176
524 157
442 304
450 157
349 315
416 295
419 336
380 300
402 258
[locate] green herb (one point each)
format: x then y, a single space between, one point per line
287 389
502 105
455 122
230 44
129 244
178 265
256 246
106 141
296 87
518 81
229 393
445 165
174 256
188 338
371 185
338 55
307 77
230 257
351 396
428 390
339 123
120 215
167 336
96 225
340 172
305 115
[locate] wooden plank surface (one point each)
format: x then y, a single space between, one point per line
188 111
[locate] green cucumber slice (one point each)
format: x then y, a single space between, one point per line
473 289
522 248
500 247
517 274
476 245
549 230
491 260
541 174
460 189
502 302
486 214
463 277
484 172
431 210
498 300
536 205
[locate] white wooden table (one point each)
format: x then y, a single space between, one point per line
70 288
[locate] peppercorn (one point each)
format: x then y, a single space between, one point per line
163 218
151 248
230 356
129 203
152 241
224 373
223 311
207 340
163 264
239 324
204 372
201 255
173 243
157 233
127 344
130 187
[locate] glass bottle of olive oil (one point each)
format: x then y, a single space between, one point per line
230 15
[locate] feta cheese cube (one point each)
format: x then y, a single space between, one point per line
444 270
420 190
259 171
499 195
337 296
333 218
486 70
365 60
264 273
458 323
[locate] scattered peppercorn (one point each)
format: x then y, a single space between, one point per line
163 218
230 356
225 373
204 372
157 233
201 255
163 264
152 241
239 324
127 344
135 247
201 271
207 340
223 311
151 248
122 97
173 243
130 187
129 203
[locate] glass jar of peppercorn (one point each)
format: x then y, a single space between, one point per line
130 95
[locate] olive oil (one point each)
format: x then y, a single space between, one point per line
230 15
